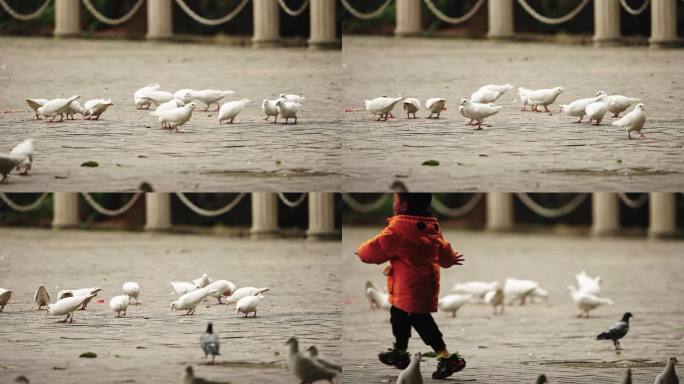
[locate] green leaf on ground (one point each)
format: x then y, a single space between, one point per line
90 164
431 163
88 355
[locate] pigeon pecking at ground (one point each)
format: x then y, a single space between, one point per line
668 376
381 106
209 342
305 368
5 295
411 106
478 111
41 297
435 105
617 331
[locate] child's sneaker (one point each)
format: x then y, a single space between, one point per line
447 366
395 357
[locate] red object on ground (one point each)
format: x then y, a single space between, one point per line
100 301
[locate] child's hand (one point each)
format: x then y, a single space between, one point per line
458 260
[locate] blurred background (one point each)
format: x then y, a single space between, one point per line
312 215
234 19
633 214
557 20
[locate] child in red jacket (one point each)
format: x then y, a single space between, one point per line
413 244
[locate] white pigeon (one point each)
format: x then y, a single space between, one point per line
190 300
476 289
203 280
292 97
171 104
586 302
489 93
435 105
537 97
7 164
56 107
5 295
519 290
41 297
139 96
596 111
24 153
182 287
577 108
184 95
587 283
618 103
67 306
231 109
462 111
35 104
175 117
119 304
539 294
313 353
378 299
132 289
495 298
155 97
94 108
244 292
270 109
288 109
305 368
381 106
478 111
452 303
74 108
220 288
411 106
668 376
633 121
210 96
79 292
411 375
248 304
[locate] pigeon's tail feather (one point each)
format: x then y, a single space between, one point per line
262 290
604 336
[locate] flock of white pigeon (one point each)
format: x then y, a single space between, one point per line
585 296
481 106
172 111
307 367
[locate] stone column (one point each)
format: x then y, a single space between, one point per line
157 211
323 24
321 216
408 18
159 19
65 210
605 208
661 207
499 211
67 18
663 23
264 215
266 23
500 14
606 22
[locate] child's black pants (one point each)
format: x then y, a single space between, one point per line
423 323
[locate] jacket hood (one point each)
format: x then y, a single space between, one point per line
422 231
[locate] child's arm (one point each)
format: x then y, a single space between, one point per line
449 257
378 249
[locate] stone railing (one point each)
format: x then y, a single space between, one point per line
500 213
266 14
321 208
500 17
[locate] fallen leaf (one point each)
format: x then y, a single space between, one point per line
431 163
88 355
90 164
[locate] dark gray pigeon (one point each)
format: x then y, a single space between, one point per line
541 379
210 342
617 331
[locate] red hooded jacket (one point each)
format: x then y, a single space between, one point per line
416 250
